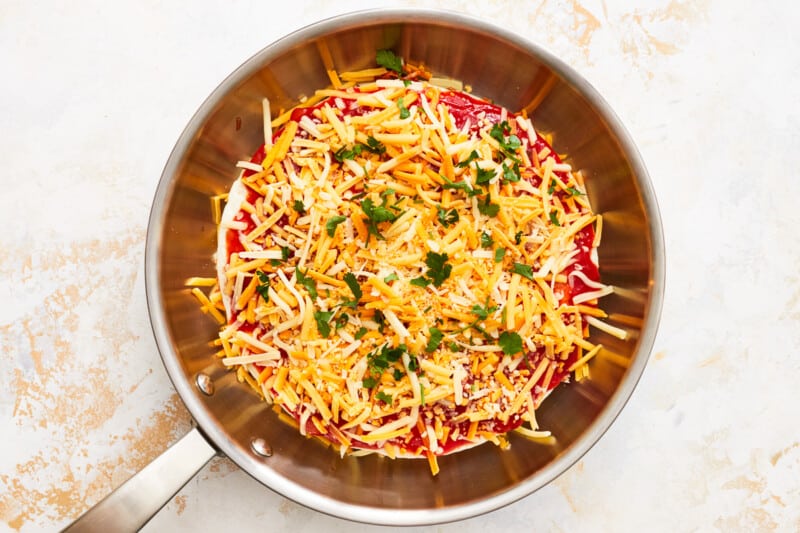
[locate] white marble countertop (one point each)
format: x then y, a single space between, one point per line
95 94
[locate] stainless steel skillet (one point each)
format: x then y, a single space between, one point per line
232 421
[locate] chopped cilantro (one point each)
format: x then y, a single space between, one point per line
486 207
508 144
421 394
263 286
360 333
511 173
379 319
391 277
473 156
344 153
483 175
352 283
342 320
413 363
299 207
523 270
499 254
446 217
404 113
554 217
375 146
438 269
306 282
387 192
483 311
435 339
518 238
369 382
575 192
398 374
330 225
375 215
285 253
461 185
486 240
382 358
385 398
389 60
454 347
420 282
552 188
510 342
323 319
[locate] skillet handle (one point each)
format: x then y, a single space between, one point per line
135 502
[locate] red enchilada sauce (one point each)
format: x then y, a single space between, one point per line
464 109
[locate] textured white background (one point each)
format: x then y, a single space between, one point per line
94 95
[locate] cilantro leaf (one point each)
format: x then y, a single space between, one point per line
391 277
413 363
518 238
306 282
446 217
323 319
486 207
510 342
285 253
379 319
375 215
385 398
575 192
404 113
552 188
299 207
523 270
483 311
554 217
360 333
508 144
369 382
382 358
263 286
389 60
375 146
344 153
483 175
486 240
511 173
472 157
499 254
342 320
435 339
420 282
330 225
438 269
352 283
454 347
460 185
398 374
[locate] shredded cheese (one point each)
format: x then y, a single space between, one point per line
392 257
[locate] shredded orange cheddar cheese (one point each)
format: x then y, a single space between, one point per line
406 269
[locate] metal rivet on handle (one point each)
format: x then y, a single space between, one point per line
260 447
205 384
